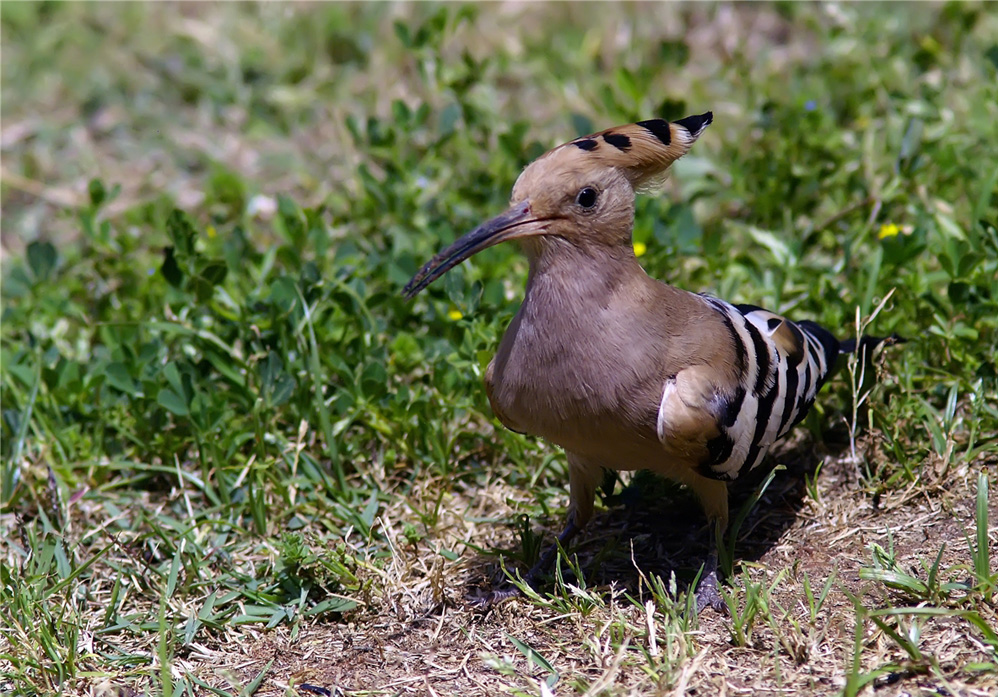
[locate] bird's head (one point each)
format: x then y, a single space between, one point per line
581 192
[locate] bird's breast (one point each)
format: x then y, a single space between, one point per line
580 384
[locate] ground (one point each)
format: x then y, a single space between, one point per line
426 638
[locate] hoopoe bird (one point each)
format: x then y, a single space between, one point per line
623 371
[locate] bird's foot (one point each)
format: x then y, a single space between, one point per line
708 594
507 591
546 561
495 597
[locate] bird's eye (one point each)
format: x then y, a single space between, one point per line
587 197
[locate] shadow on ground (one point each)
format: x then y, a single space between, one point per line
656 527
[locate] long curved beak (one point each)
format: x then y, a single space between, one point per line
514 223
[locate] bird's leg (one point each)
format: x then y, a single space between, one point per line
707 592
543 564
547 559
583 477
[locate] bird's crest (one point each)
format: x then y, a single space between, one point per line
644 150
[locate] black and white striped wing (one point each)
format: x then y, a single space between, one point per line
783 365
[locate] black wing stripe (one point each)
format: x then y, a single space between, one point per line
733 407
741 352
765 413
789 398
762 357
718 451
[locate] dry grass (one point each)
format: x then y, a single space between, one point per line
421 636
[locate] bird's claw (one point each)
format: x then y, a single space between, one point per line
709 595
495 597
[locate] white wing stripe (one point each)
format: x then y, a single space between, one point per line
765 406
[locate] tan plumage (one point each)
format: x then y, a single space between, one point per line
623 371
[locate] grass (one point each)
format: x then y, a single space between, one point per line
236 461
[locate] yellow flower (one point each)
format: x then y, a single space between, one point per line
211 231
640 248
454 315
888 230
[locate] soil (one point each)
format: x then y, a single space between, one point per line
425 637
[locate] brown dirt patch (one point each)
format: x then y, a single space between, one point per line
421 636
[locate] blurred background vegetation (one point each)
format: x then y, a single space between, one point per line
209 376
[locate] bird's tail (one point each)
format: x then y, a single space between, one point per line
869 346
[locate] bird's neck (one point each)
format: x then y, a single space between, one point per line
564 276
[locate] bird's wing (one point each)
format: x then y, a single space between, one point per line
780 366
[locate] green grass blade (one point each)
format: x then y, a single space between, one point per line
982 554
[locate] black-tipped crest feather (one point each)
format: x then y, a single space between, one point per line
643 151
